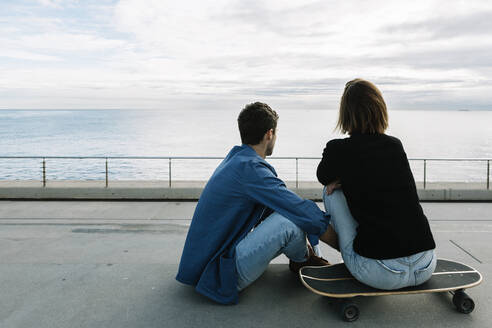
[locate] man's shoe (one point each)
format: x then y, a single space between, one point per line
312 260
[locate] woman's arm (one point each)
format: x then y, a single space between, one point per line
328 169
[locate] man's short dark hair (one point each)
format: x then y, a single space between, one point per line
254 121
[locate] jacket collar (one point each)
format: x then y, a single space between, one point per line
250 151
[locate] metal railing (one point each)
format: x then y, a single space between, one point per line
170 158
425 160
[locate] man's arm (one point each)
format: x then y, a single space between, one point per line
264 187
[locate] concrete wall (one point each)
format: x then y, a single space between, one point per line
160 190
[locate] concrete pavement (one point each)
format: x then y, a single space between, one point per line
112 264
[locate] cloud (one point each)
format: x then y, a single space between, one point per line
58 4
474 24
51 3
298 53
67 42
25 55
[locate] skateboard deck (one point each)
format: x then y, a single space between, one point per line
337 282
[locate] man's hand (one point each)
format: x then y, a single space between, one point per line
332 186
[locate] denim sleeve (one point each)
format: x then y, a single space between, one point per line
263 186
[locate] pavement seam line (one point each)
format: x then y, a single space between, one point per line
464 250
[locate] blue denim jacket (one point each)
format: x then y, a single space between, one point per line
242 187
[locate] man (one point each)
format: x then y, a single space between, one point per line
222 254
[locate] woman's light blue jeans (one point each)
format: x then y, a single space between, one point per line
272 237
383 274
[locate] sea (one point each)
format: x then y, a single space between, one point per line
212 133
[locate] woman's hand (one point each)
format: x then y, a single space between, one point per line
332 186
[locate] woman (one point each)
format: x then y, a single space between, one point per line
377 222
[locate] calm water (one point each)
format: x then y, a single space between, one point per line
429 134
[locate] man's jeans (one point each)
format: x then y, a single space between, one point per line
272 237
383 274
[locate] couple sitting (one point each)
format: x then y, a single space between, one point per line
246 216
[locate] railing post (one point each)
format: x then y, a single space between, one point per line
488 174
44 172
169 172
297 173
106 172
425 172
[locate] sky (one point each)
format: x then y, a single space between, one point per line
222 54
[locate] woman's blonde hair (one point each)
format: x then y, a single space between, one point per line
362 109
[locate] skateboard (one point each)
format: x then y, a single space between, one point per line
337 282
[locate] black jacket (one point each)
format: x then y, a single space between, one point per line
381 194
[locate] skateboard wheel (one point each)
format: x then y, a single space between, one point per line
463 302
350 311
